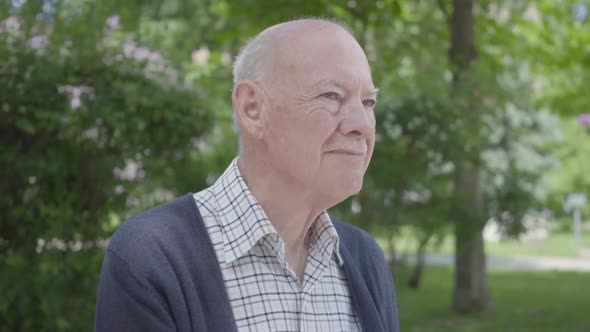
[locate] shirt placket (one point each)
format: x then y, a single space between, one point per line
275 244
317 264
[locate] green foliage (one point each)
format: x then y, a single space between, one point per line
78 109
556 40
572 176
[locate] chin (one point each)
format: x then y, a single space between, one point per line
340 182
348 187
356 189
336 193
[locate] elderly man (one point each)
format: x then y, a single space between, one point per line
257 251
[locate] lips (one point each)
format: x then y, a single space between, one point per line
350 152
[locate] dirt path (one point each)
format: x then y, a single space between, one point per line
517 263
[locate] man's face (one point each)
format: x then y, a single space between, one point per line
321 128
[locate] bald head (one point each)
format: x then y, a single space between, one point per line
256 58
264 58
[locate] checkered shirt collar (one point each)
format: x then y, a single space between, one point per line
244 222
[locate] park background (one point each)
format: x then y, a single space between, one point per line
483 129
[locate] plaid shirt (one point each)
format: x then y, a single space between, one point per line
263 289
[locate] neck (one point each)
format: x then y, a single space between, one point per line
289 210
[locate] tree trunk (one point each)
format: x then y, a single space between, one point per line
392 259
470 293
416 277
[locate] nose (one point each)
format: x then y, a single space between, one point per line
358 121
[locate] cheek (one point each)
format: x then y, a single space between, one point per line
371 141
316 123
372 123
300 134
322 128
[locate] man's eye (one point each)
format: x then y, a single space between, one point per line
331 95
369 102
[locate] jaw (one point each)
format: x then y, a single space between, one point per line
334 185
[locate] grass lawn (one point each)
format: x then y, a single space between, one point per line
557 245
522 301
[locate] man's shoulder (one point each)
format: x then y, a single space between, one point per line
157 227
349 229
369 275
357 241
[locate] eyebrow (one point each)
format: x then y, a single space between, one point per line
373 91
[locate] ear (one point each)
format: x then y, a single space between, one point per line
249 103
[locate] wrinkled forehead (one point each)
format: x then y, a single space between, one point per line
319 55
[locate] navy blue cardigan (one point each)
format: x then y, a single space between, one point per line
160 273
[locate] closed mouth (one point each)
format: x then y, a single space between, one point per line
348 152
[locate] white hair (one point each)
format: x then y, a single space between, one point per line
255 58
250 64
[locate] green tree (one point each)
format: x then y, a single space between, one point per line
88 114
